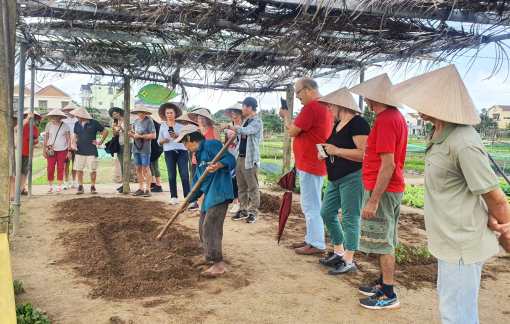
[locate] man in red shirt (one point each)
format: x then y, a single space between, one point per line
383 179
25 150
313 126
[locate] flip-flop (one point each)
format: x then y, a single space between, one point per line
195 214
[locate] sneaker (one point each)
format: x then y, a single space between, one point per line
75 185
153 185
380 301
120 188
331 260
251 219
193 207
157 189
173 201
59 190
65 186
342 267
80 190
240 215
371 289
235 209
50 190
93 190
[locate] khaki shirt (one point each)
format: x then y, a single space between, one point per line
457 172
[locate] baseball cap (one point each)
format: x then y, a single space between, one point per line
185 131
250 102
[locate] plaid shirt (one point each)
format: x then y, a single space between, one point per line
254 130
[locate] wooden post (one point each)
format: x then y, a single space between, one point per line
7 48
31 138
361 80
127 148
287 140
21 107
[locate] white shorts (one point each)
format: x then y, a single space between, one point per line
83 161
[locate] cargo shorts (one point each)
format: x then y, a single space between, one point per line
83 161
379 235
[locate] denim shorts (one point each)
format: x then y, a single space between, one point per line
143 159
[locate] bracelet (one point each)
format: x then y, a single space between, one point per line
337 150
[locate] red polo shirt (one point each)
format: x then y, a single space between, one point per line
26 139
317 124
389 135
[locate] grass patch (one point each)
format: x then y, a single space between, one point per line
18 287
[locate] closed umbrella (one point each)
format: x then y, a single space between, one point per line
287 182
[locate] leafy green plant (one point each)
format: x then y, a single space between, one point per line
25 314
414 196
403 253
18 287
271 181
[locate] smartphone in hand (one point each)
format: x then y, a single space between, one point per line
322 152
284 104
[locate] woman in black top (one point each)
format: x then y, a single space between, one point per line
344 149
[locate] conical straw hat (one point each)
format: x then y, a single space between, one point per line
235 107
81 112
185 118
440 94
141 108
37 116
70 106
341 97
193 115
57 112
377 89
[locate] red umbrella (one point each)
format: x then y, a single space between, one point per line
287 182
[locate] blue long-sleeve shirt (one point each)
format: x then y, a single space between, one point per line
217 186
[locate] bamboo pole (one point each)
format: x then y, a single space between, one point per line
196 186
7 39
361 80
126 175
31 138
21 104
287 140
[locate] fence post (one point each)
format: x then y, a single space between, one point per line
31 138
127 149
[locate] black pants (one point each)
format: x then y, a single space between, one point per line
210 228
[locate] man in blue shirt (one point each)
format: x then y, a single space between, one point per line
218 194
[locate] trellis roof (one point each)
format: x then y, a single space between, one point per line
249 45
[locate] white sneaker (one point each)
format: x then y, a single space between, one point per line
65 186
173 201
74 185
234 209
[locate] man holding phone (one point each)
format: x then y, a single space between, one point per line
313 126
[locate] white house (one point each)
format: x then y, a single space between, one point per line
48 97
104 96
415 125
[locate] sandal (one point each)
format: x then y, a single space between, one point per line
139 192
24 192
196 214
147 193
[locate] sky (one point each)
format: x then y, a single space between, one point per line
485 90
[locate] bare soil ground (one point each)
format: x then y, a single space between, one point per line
88 259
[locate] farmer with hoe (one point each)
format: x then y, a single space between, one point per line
464 204
312 126
217 191
85 144
383 180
